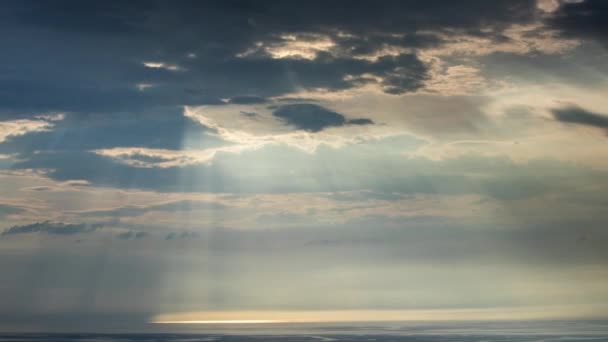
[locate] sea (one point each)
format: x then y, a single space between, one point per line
537 331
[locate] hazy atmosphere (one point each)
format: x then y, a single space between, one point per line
302 161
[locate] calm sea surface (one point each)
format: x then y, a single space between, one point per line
360 332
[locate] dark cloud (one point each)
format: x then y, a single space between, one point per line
40 188
131 235
98 50
586 19
116 17
246 100
309 117
314 118
249 114
52 228
182 235
361 122
93 68
577 115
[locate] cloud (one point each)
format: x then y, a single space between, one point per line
314 118
577 115
380 166
146 157
364 196
132 235
548 5
360 122
55 228
168 129
184 205
532 38
182 235
246 100
326 48
15 128
6 209
582 19
457 80
161 65
308 136
112 108
298 46
251 127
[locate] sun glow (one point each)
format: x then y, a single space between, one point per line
333 316
230 321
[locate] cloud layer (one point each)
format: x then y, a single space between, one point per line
166 157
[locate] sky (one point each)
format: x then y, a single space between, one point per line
165 161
